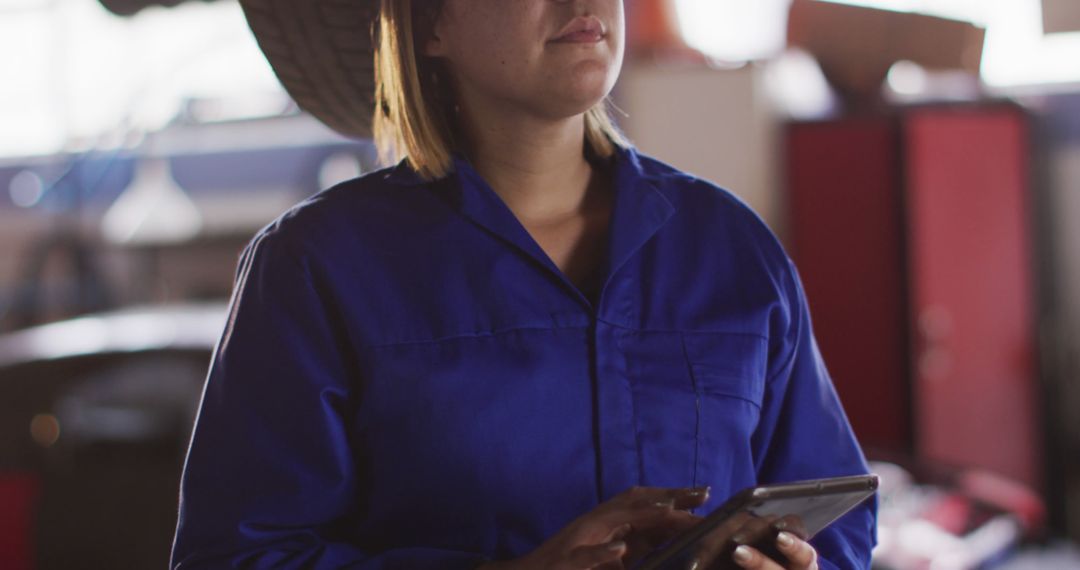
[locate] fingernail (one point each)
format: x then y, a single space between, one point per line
665 504
617 545
743 555
738 539
785 539
694 564
780 525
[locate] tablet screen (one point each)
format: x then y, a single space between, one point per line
808 505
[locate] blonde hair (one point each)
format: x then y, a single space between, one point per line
413 100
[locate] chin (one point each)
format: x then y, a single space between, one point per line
568 109
562 107
579 93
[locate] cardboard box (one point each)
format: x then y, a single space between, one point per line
857 46
1061 16
714 123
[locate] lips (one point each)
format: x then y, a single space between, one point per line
582 29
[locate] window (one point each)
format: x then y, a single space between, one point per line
82 72
1016 51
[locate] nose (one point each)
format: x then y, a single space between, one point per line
580 6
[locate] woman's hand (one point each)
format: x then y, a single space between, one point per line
616 533
800 555
732 545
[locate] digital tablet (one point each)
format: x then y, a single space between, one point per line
809 505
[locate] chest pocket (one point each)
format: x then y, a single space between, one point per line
725 364
728 373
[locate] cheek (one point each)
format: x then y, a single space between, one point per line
494 57
487 33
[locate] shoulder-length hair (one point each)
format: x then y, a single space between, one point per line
413 99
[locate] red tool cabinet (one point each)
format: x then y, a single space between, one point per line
18 495
912 233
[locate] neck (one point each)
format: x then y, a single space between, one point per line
536 166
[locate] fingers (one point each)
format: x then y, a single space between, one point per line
751 559
590 556
756 529
679 498
639 505
653 532
798 552
717 541
598 539
685 499
800 555
793 524
619 533
648 516
667 521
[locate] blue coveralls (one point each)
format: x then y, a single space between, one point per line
406 379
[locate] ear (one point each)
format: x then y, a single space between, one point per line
435 45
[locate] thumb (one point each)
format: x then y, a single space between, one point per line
584 557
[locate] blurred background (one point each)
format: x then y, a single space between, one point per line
920 160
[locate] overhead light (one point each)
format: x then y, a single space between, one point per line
153 210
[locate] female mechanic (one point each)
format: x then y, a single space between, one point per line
525 346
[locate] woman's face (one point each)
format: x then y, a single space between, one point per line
550 58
